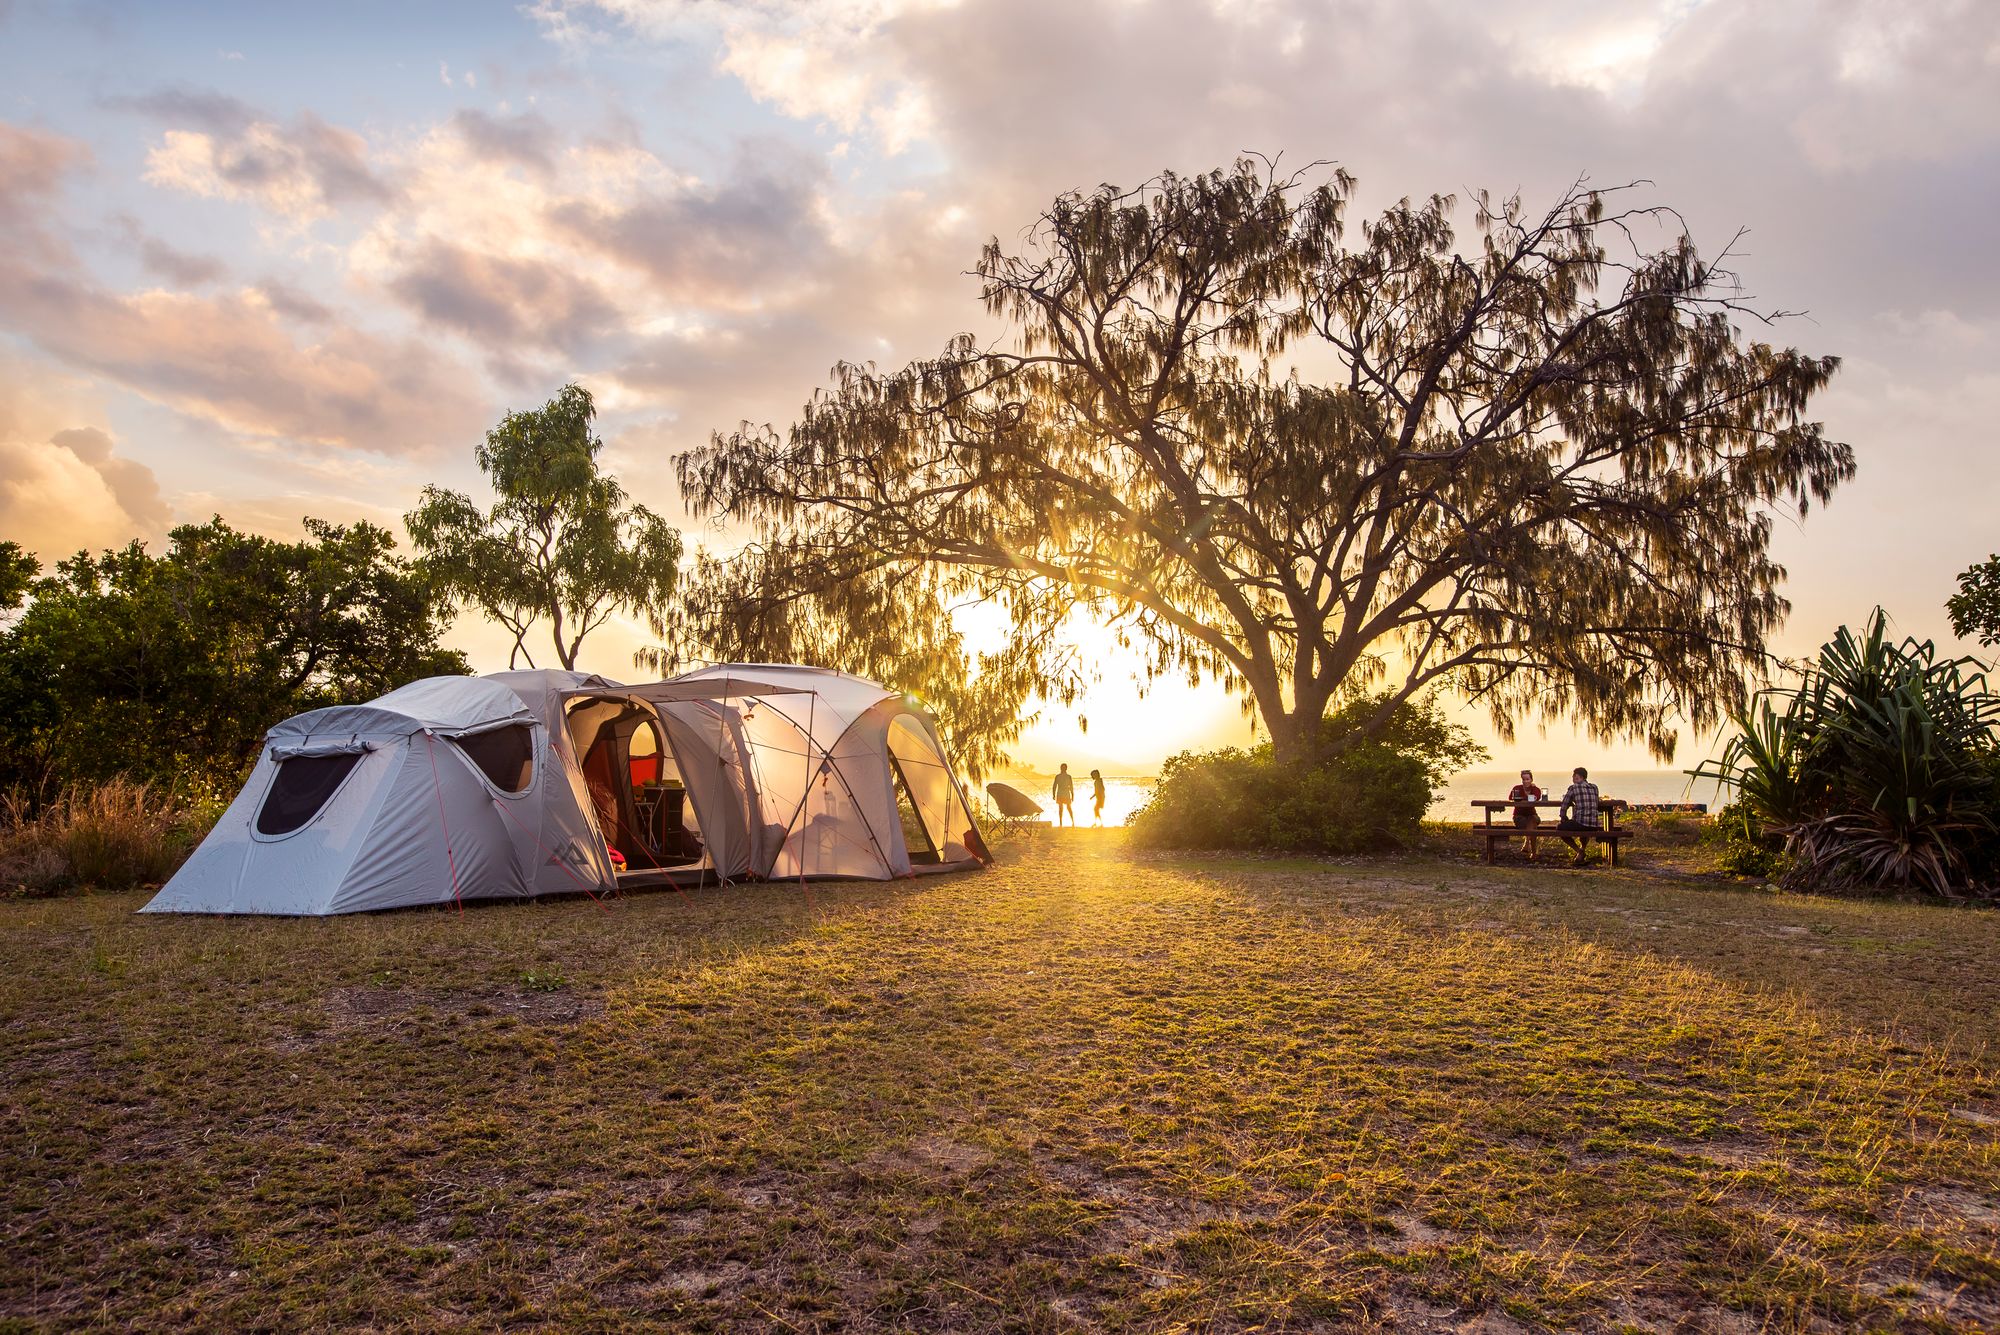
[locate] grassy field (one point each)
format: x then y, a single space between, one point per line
1091 1089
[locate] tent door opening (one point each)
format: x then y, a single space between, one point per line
668 825
636 788
917 839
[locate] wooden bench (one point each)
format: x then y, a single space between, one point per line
1495 835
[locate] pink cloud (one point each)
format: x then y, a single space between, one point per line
63 487
303 171
228 358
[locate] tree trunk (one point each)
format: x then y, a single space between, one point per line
1293 736
564 654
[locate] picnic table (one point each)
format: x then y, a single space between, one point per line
1609 834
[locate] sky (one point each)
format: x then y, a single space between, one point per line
274 260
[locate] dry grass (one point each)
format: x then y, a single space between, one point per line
1087 1090
115 835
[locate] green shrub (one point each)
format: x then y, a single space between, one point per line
1362 794
1743 847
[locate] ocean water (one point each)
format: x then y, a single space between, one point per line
1125 794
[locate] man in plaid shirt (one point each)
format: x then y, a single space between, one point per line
1581 799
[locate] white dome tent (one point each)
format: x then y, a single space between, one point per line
522 784
849 777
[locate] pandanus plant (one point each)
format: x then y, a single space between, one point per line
1877 770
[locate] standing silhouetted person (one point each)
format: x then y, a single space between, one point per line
1064 792
1097 796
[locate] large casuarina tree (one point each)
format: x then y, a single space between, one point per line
562 545
1537 464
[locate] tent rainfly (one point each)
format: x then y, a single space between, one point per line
532 783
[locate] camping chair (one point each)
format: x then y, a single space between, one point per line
1017 810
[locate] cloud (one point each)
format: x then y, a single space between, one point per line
302 172
33 164
528 243
526 140
228 358
292 303
166 261
827 60
132 485
500 302
1852 85
179 266
62 486
204 109
712 244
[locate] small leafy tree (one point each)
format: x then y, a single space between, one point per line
561 543
1975 608
1877 770
170 667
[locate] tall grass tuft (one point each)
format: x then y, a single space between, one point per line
116 835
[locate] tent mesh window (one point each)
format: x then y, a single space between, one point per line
303 785
506 756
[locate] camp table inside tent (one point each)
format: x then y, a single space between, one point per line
521 784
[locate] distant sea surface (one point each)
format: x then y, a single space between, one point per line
1122 796
1125 794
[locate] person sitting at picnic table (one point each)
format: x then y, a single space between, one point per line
1524 792
1583 801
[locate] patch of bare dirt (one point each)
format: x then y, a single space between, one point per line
1412 1233
1669 1318
1969 1206
391 1009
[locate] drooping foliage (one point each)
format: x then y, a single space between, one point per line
1877 770
169 668
1366 792
561 543
887 623
1536 464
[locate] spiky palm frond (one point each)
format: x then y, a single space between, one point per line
1877 769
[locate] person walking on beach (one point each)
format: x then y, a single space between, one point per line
1097 797
1581 799
1064 792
